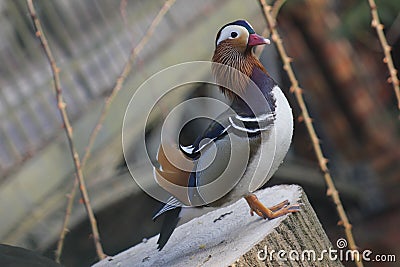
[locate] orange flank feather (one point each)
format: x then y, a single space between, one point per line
173 174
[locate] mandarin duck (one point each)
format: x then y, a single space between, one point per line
250 139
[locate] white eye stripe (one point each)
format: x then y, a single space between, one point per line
228 30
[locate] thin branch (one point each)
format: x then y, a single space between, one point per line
67 125
122 10
274 12
124 74
322 160
64 229
277 7
107 103
386 50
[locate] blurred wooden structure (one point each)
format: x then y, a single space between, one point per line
353 106
347 88
229 236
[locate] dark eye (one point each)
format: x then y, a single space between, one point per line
234 34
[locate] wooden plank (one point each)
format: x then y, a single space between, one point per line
230 236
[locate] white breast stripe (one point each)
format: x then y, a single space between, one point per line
262 117
244 129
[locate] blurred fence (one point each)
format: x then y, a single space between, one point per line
91 41
27 106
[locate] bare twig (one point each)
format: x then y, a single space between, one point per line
277 7
274 12
295 88
124 74
67 126
64 229
386 50
122 10
107 103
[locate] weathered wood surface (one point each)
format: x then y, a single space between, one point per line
231 237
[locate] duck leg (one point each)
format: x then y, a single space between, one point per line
273 212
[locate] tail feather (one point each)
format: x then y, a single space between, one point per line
171 211
171 219
172 203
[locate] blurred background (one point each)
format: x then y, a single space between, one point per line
337 59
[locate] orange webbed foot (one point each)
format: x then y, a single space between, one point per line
278 210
